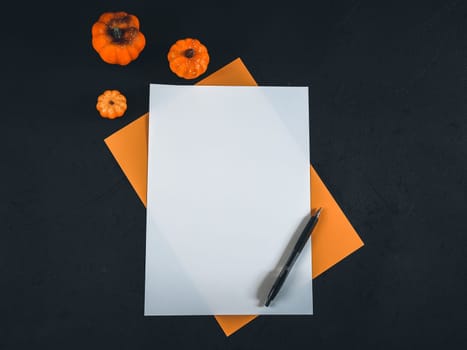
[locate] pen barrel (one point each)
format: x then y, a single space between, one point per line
303 238
300 244
297 249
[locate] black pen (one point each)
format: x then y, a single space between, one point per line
302 239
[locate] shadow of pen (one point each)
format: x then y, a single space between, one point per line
266 284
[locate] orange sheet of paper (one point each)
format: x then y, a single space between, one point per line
333 239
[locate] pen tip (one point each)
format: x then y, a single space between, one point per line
318 212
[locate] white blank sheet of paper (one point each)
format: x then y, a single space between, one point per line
228 189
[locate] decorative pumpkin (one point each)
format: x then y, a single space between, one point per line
117 39
111 104
188 58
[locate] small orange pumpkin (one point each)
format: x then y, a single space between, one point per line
111 104
188 58
117 39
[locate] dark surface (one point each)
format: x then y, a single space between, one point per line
388 88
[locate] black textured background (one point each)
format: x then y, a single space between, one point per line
388 85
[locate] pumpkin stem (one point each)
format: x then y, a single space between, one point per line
189 53
116 33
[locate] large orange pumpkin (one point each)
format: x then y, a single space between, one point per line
117 39
188 58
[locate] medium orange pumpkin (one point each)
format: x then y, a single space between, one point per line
111 104
188 58
117 39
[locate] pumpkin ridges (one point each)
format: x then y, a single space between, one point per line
204 62
122 20
98 28
111 104
182 45
139 42
133 52
108 54
188 58
134 21
200 50
119 30
178 63
184 69
98 43
108 16
105 17
122 56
